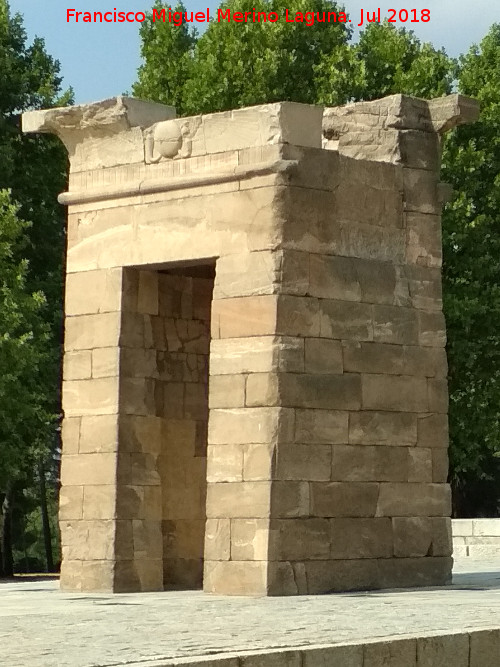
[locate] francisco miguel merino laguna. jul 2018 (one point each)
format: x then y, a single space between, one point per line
225 15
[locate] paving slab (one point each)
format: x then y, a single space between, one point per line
43 627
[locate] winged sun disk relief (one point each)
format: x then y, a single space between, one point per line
169 140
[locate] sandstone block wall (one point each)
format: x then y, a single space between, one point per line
323 463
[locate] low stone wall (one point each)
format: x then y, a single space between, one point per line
461 649
477 538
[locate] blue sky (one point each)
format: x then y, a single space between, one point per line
101 61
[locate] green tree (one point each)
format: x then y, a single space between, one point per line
471 228
34 169
23 337
238 64
385 61
167 52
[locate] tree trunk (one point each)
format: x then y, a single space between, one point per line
47 536
8 561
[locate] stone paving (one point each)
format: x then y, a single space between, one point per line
41 627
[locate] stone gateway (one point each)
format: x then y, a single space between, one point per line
254 392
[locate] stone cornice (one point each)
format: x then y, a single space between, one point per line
153 186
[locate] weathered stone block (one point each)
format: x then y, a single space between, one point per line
394 324
361 538
99 433
438 395
217 539
244 316
333 656
344 320
235 577
366 241
71 503
443 651
278 659
369 464
70 434
431 329
420 465
147 296
90 397
307 390
440 466
414 500
290 499
339 499
105 362
334 278
403 393
259 462
250 426
432 430
423 240
85 332
138 396
380 283
99 502
77 365
286 578
382 428
146 433
413 572
304 462
138 502
258 354
90 292
245 500
442 539
420 191
343 575
394 359
484 648
323 356
297 316
88 469
412 536
76 542
137 363
424 285
138 468
225 463
98 575
250 539
195 401
322 426
147 536
391 653
266 272
262 389
227 391
299 539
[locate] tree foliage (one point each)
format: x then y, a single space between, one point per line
167 54
238 64
471 238
33 168
23 335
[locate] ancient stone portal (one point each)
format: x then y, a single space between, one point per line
255 389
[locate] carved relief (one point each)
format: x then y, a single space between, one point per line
169 139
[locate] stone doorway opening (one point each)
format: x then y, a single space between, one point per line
175 305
